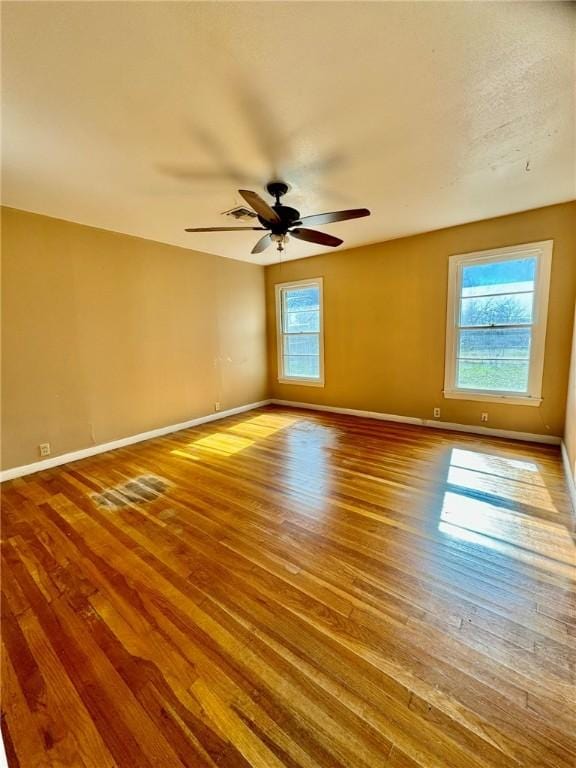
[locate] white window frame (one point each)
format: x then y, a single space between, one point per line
317 282
543 251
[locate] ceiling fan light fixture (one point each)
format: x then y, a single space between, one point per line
280 240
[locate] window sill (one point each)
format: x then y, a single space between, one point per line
302 382
497 397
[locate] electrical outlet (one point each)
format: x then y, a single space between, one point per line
483 417
436 413
44 449
216 406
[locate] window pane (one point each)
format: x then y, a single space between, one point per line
305 344
503 375
495 343
302 298
304 366
509 276
302 322
497 310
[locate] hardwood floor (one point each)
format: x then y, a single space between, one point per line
291 588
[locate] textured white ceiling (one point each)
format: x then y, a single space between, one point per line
146 118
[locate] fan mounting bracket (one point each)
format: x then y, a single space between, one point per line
277 189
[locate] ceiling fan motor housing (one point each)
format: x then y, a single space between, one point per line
288 217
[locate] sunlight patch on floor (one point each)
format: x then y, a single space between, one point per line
517 481
237 437
262 426
220 442
502 487
489 523
515 469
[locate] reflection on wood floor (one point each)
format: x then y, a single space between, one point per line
289 588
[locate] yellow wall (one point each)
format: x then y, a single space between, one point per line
385 321
570 428
106 335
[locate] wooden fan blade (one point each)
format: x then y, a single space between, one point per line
262 244
221 229
329 218
260 206
313 236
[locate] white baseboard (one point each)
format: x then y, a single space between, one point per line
452 426
93 450
569 478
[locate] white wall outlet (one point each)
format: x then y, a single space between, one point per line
483 417
216 406
436 413
44 449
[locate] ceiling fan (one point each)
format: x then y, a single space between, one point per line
281 219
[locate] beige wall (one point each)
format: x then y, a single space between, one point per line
106 335
385 318
570 428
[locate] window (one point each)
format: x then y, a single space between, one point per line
496 328
300 335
